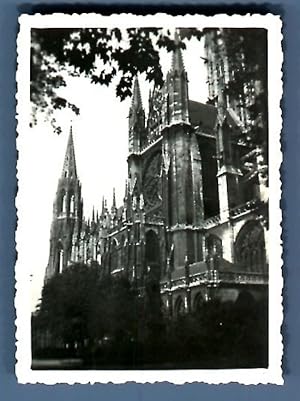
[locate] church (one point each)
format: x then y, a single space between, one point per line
190 221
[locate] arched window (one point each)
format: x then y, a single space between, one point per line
152 253
122 252
198 302
113 254
64 203
72 204
60 259
250 252
61 204
152 181
179 308
245 301
213 246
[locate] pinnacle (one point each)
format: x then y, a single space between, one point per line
221 98
177 60
114 205
136 95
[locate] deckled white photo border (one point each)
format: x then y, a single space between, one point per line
273 374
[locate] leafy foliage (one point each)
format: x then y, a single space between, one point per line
114 326
98 54
77 306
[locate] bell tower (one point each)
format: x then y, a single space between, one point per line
182 189
67 214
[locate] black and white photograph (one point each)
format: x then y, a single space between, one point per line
148 200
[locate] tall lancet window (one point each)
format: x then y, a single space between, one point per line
64 204
113 254
61 204
60 260
72 204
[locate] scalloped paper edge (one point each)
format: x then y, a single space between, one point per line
273 374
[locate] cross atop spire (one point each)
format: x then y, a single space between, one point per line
69 167
177 60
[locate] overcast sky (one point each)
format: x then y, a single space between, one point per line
101 144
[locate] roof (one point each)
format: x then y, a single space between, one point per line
203 115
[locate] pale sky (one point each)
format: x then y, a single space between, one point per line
101 143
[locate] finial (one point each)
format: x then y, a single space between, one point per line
103 205
114 199
126 191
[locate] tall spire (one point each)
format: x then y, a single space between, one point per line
69 167
136 120
136 95
177 60
67 215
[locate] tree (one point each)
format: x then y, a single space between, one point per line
99 54
114 56
66 303
81 306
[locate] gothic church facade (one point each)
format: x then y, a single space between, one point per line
188 223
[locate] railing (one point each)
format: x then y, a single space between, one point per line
238 210
211 222
248 206
151 143
215 278
243 278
